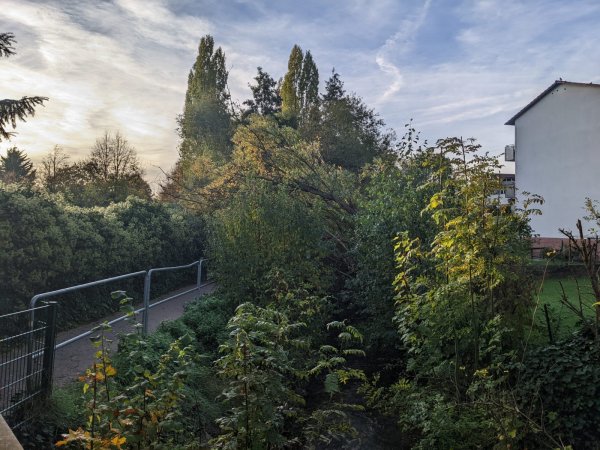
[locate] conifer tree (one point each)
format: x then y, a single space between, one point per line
266 99
350 133
11 110
16 167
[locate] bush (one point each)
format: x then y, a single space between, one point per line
46 244
266 229
559 387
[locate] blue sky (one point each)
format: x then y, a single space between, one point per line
457 68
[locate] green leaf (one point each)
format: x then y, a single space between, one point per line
332 384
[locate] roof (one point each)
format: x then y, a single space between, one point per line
543 94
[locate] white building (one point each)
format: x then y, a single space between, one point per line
557 153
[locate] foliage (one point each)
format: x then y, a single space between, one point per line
300 87
205 125
473 259
109 175
390 203
558 385
264 360
62 410
46 244
257 363
462 302
11 110
265 229
16 167
350 133
146 413
266 99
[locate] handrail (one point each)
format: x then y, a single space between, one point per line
147 285
144 310
36 297
148 280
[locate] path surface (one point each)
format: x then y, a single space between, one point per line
71 360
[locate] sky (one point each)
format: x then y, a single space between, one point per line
456 68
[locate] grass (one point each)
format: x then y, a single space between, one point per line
564 321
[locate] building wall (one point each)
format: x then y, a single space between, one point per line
558 155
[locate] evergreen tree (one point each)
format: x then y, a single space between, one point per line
205 124
334 88
16 167
11 110
265 95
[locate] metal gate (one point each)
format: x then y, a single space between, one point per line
26 361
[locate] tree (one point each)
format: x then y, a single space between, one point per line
351 133
266 99
16 167
11 110
300 87
205 125
110 174
113 158
308 86
52 165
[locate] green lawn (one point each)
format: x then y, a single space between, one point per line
564 321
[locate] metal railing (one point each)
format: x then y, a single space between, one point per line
33 354
147 287
27 358
22 379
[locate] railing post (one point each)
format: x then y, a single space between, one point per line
30 386
147 281
199 280
49 342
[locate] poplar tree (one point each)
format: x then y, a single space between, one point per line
205 125
300 87
290 103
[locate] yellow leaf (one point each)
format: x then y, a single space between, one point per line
118 441
110 371
85 387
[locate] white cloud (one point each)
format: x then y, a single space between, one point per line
398 45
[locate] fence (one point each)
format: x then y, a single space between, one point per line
23 378
27 358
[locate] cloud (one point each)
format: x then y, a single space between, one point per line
457 68
399 45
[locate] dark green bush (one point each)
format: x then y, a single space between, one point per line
46 244
559 387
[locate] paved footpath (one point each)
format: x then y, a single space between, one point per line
71 360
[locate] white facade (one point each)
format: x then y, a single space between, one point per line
557 153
